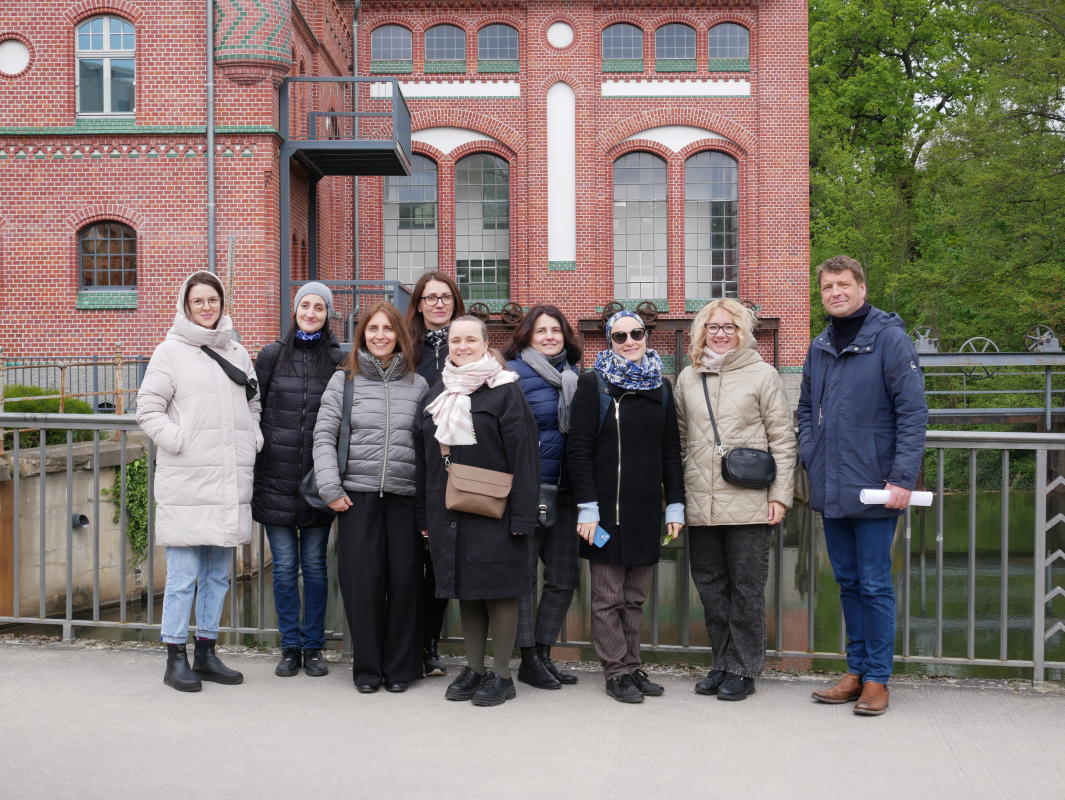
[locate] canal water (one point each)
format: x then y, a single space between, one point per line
799 536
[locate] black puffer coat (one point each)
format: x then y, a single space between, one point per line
290 409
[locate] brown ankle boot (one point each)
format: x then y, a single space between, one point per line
874 700
848 689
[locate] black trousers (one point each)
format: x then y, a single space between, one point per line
435 608
558 547
380 570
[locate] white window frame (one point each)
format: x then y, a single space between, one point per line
105 55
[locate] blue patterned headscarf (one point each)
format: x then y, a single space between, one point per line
626 374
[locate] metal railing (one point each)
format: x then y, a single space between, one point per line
1045 589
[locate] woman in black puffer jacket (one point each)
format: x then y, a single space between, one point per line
292 375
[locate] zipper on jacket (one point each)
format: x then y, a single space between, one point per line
303 423
617 495
436 358
388 436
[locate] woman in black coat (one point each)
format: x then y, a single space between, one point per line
479 413
619 462
292 375
434 302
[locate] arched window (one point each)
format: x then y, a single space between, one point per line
107 253
497 49
675 48
391 50
445 49
411 243
711 226
729 48
104 52
640 249
622 48
482 227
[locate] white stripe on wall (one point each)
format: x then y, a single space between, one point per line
561 173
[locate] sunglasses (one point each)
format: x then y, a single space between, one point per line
637 335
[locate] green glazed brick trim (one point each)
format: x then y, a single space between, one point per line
790 370
99 301
669 363
132 154
497 66
391 67
622 65
728 65
152 154
495 306
103 126
58 155
244 129
21 154
78 154
562 266
40 154
190 153
3 155
116 153
674 65
436 67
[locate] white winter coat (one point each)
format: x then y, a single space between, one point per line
206 432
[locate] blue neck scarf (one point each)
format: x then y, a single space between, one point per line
308 337
625 374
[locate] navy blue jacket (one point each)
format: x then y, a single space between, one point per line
862 417
543 400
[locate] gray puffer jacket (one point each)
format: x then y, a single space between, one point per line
383 413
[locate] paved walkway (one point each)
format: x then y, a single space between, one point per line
100 723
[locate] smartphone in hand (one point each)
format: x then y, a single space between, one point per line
601 536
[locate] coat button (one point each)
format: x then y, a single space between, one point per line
454 524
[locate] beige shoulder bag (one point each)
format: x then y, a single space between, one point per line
475 490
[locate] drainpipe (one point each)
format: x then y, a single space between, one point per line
355 129
210 138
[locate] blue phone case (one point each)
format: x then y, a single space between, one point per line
601 536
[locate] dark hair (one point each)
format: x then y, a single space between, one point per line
404 343
415 320
207 279
319 363
523 334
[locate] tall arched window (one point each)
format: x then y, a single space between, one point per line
640 248
711 226
622 48
411 242
107 254
482 227
391 50
675 48
729 48
104 52
497 49
445 49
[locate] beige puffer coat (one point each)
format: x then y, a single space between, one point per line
751 411
206 432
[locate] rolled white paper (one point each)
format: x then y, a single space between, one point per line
877 497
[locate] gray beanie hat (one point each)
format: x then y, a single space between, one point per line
319 289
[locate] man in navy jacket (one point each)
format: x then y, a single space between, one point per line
862 422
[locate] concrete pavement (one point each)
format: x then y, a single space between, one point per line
88 723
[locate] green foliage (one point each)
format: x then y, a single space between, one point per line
136 508
30 405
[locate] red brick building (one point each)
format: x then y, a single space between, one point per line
575 152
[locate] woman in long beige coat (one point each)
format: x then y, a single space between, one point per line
730 526
204 420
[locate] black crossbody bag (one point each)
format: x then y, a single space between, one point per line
309 484
744 467
233 372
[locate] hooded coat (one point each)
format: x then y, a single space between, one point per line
207 432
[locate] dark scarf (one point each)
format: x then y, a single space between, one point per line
436 339
845 329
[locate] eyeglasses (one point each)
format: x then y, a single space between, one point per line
434 299
213 302
728 329
637 335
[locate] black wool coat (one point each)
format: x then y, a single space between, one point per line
290 409
431 364
476 557
629 496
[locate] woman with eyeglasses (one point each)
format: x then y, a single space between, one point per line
729 526
624 450
434 302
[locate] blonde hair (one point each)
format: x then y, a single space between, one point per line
741 315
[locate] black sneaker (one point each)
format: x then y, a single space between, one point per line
463 687
735 687
313 663
494 690
712 682
643 683
289 665
432 663
624 690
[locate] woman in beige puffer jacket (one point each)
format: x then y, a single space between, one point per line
207 434
729 527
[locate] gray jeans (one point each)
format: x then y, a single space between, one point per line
730 564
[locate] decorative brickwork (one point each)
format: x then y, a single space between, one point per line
253 40
106 301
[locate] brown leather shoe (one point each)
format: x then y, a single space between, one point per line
874 700
848 689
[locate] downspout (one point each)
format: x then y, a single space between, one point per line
210 139
355 131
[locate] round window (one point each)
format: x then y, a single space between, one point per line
14 57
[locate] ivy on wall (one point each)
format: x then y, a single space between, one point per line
136 508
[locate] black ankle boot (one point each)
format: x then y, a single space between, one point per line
552 667
533 672
208 667
432 663
179 674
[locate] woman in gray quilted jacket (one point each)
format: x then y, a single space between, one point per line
379 547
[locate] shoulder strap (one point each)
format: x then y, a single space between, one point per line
233 372
710 408
604 400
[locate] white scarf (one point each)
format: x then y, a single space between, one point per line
451 409
715 361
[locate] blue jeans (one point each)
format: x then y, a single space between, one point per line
860 552
184 567
293 551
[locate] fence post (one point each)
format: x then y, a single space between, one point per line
119 382
62 386
3 380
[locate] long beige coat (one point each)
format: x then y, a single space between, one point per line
206 432
751 411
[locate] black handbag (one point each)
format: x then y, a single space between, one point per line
233 372
309 484
744 467
547 508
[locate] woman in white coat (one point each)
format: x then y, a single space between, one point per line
203 416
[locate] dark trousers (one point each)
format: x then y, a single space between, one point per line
434 608
730 564
380 570
618 595
558 548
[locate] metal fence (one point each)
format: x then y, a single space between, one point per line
118 429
